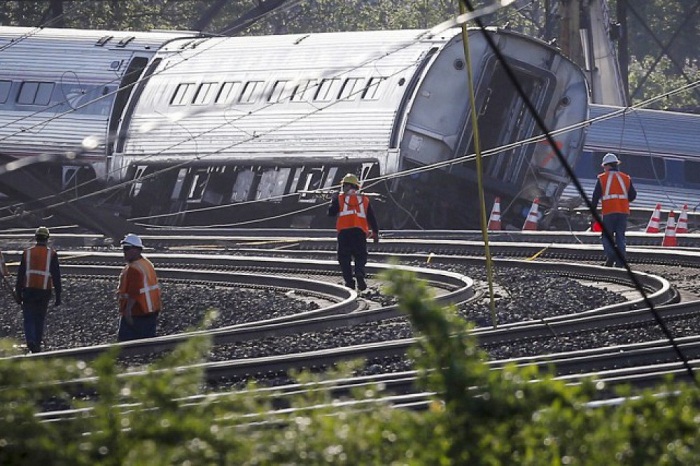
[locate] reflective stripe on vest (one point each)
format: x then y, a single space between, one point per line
38 272
353 212
148 299
615 186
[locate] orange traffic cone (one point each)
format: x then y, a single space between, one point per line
653 226
532 216
670 233
682 226
495 218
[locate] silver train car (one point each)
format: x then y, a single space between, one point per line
659 149
244 130
62 92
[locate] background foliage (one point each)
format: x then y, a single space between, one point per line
663 35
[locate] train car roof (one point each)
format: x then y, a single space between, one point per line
12 36
643 132
281 125
33 52
319 50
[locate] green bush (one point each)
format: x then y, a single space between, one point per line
478 416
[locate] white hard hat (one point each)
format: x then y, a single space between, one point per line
132 240
610 158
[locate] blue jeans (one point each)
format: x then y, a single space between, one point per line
144 327
616 225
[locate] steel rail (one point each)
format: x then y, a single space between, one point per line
455 288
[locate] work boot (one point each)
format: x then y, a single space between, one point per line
34 347
350 284
361 284
609 262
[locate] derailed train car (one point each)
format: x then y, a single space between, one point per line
63 92
237 130
658 149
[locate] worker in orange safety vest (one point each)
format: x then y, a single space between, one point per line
138 293
38 273
615 190
355 223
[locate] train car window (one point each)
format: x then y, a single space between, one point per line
272 183
183 94
597 159
138 183
204 94
304 90
351 87
35 93
372 90
179 183
642 167
313 179
200 178
229 90
691 171
325 92
330 177
251 91
4 91
277 93
243 186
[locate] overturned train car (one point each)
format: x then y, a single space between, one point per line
242 131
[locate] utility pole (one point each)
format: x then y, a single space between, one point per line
587 37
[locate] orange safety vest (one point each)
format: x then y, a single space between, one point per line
138 281
3 266
353 212
38 267
615 188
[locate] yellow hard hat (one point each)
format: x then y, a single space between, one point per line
42 232
351 179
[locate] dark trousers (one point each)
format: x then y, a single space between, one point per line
143 327
616 225
352 244
35 304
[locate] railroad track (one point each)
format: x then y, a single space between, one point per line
305 265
